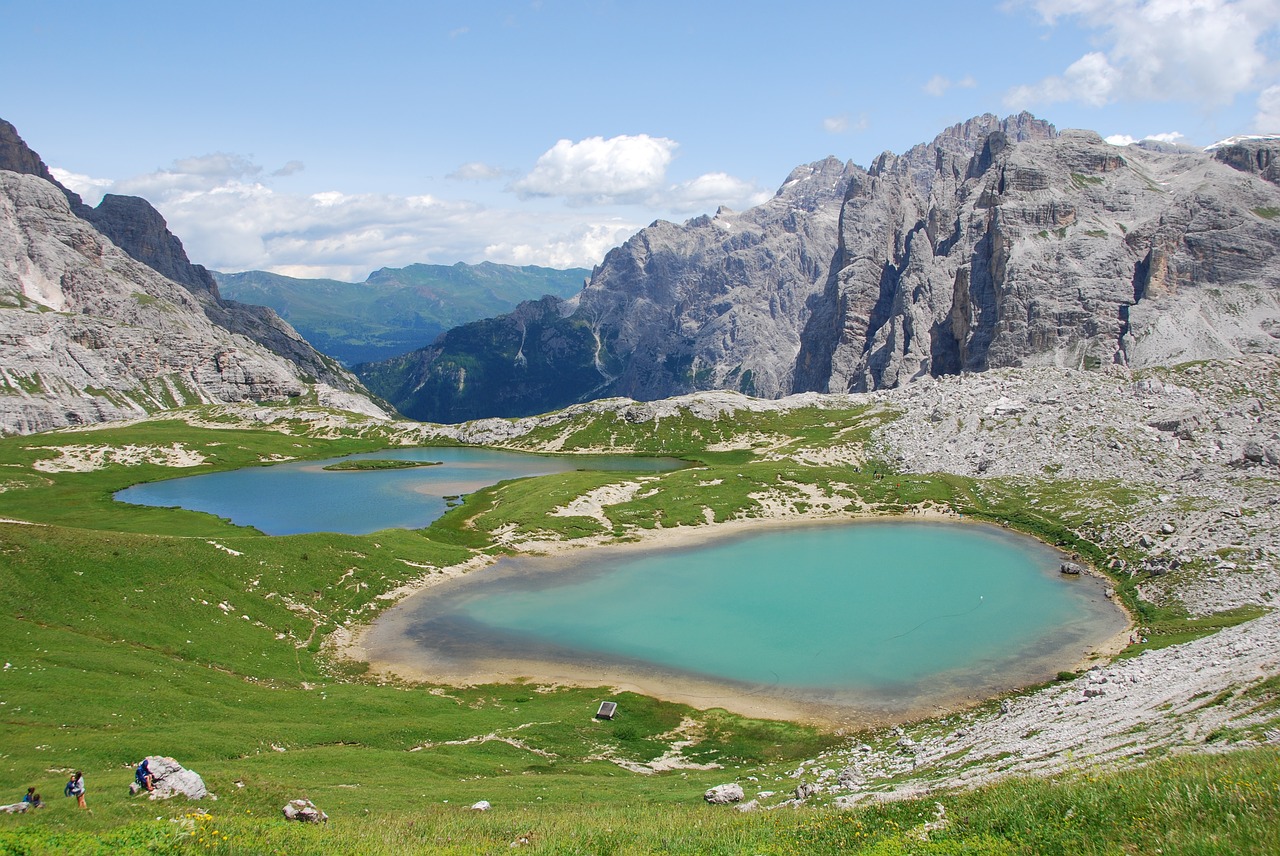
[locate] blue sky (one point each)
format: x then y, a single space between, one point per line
330 139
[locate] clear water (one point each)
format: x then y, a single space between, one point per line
287 499
885 614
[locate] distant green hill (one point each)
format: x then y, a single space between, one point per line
396 310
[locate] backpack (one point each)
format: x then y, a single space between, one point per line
69 790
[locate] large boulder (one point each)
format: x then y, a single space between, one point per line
171 779
724 794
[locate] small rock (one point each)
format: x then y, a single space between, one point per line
724 794
750 805
304 811
1071 568
804 790
1167 529
482 805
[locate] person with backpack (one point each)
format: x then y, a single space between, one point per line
75 788
143 776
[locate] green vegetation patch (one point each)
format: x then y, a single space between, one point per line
130 631
1267 213
379 464
1173 627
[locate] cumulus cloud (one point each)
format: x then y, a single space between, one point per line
570 248
230 218
1202 51
90 189
937 86
1267 119
708 192
596 171
476 171
1126 140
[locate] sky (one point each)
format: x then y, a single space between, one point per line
326 139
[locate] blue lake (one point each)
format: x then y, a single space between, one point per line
291 498
883 618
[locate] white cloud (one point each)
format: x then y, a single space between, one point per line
1267 119
230 217
290 168
1091 79
476 171
581 246
228 220
843 123
597 171
1203 51
938 85
708 192
216 165
90 189
1126 140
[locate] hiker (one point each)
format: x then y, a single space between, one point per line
75 788
144 777
33 799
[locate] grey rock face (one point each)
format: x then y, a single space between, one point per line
1001 243
171 779
88 333
1060 251
720 302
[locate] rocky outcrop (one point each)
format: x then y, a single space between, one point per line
1063 251
1001 243
304 811
1259 156
171 779
724 794
88 332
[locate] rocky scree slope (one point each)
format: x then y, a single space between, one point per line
103 317
1000 243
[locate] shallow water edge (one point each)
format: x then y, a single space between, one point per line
390 649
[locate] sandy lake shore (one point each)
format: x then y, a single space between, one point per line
384 646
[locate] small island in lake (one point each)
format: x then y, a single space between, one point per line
379 464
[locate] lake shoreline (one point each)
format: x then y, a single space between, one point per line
409 665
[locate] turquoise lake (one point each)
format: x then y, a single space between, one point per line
291 498
882 617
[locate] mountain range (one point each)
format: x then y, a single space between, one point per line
396 310
103 316
1003 242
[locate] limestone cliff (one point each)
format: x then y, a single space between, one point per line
1000 243
102 316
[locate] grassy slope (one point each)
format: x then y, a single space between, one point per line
205 643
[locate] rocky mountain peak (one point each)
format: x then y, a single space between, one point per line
1001 242
1258 156
136 327
17 156
139 229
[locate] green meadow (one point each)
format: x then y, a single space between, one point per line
127 631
